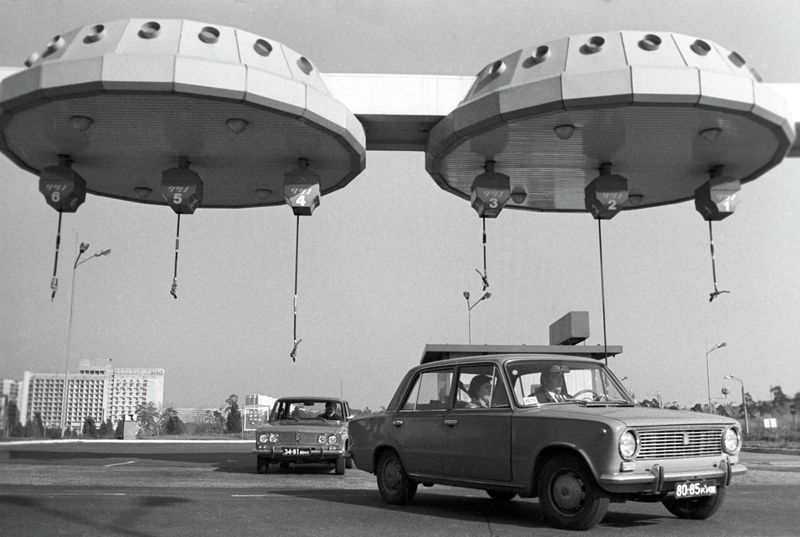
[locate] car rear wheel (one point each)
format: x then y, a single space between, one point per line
395 486
695 508
569 495
262 465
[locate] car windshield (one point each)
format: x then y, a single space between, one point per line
536 382
297 410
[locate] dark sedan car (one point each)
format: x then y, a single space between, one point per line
303 430
560 428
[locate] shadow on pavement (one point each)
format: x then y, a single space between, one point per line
522 513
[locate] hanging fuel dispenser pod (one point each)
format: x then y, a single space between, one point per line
604 197
606 194
301 191
64 190
182 189
715 200
489 194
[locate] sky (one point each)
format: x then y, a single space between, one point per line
384 262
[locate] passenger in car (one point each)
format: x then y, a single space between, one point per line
480 391
551 389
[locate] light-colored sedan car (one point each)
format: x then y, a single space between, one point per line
304 430
560 428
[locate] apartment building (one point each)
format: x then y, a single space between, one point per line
97 390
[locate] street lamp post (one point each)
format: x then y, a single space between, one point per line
708 376
744 402
470 307
81 249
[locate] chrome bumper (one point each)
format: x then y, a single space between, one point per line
658 480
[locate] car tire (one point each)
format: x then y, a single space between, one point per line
395 486
501 495
340 464
695 508
262 465
569 495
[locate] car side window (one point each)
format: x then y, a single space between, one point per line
430 392
480 387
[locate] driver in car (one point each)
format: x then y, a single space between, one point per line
551 389
330 412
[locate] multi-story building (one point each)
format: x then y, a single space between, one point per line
97 390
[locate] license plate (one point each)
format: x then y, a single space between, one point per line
693 489
296 451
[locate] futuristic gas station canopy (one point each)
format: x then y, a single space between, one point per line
127 100
632 119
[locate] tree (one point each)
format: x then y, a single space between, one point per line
89 427
779 399
107 429
148 418
233 422
171 422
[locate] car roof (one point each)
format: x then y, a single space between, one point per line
308 398
436 353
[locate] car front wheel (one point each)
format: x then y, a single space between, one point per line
695 508
262 465
569 495
395 486
340 464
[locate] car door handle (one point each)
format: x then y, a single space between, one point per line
397 423
451 423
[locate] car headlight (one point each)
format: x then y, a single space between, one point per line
628 444
322 438
262 439
731 440
273 437
332 439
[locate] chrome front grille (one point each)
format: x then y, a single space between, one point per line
679 443
295 438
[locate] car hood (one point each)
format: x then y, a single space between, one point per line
631 416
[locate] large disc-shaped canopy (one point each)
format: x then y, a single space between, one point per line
661 109
128 99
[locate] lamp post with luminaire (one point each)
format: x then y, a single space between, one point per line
744 402
81 250
708 376
470 307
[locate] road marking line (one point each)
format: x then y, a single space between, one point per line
118 464
250 495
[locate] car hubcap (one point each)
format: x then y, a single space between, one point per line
568 493
391 475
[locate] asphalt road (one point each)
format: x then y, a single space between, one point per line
146 489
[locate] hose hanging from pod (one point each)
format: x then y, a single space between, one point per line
54 279
64 190
296 341
716 200
174 290
604 198
489 193
182 189
484 275
301 191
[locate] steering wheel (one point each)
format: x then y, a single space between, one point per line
595 396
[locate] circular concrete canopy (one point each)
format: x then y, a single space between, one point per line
663 109
126 100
